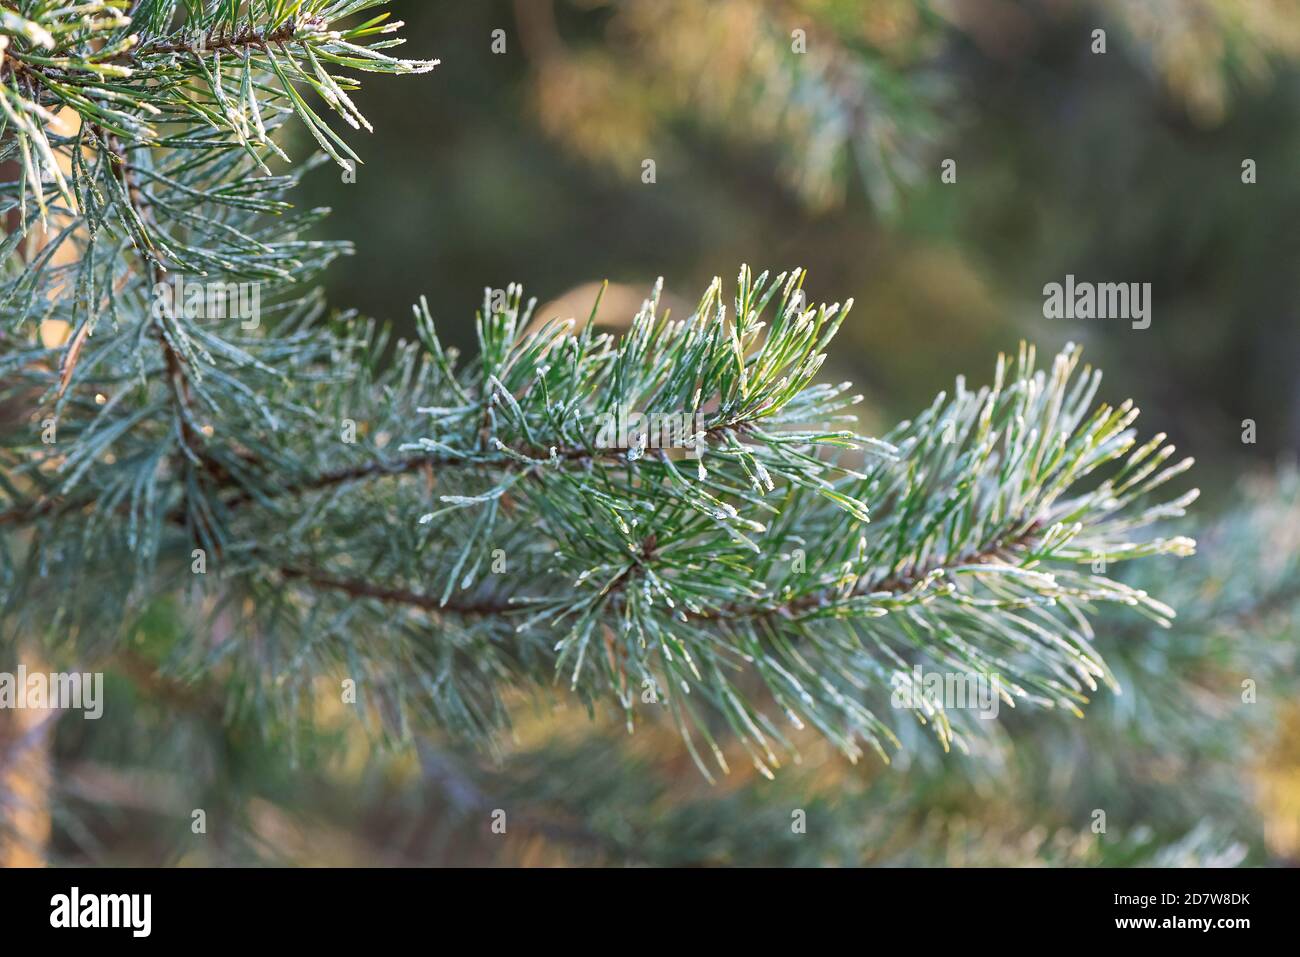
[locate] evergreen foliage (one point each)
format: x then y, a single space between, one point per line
446 533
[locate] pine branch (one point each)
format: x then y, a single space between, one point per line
894 586
219 42
396 596
684 513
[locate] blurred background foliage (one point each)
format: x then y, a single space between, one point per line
527 166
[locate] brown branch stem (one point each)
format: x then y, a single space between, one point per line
393 596
209 42
898 584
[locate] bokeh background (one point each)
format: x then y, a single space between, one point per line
527 167
525 164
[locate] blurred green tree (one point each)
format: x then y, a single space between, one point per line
297 455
